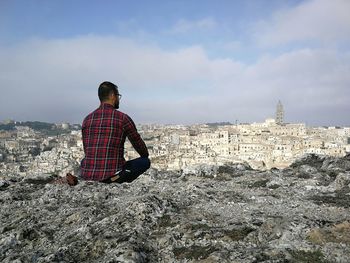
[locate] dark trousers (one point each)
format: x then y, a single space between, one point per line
132 170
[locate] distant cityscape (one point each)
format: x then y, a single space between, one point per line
38 147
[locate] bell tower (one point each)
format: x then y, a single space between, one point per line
279 113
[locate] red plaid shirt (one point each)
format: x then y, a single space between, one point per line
104 132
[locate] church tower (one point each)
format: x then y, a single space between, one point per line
279 113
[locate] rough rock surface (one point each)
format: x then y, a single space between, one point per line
223 214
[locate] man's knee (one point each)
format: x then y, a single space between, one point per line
144 164
147 163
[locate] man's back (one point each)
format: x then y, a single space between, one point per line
104 132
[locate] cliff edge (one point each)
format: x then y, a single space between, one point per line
215 214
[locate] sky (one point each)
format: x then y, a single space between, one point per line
177 62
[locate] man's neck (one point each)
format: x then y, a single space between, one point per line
107 102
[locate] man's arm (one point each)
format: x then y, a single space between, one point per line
134 137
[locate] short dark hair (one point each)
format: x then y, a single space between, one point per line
105 89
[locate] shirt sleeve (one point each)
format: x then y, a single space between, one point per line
134 137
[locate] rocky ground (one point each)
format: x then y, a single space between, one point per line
212 214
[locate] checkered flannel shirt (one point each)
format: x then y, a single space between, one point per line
104 132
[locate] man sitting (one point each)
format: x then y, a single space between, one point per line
104 132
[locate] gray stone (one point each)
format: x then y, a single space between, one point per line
3 184
213 214
341 181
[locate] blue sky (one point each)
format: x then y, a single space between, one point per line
177 61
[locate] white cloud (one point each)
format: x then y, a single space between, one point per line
184 26
51 78
57 80
313 20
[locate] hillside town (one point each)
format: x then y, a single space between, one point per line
261 145
177 147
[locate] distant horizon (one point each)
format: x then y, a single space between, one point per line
177 61
181 124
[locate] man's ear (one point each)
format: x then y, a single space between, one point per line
111 95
